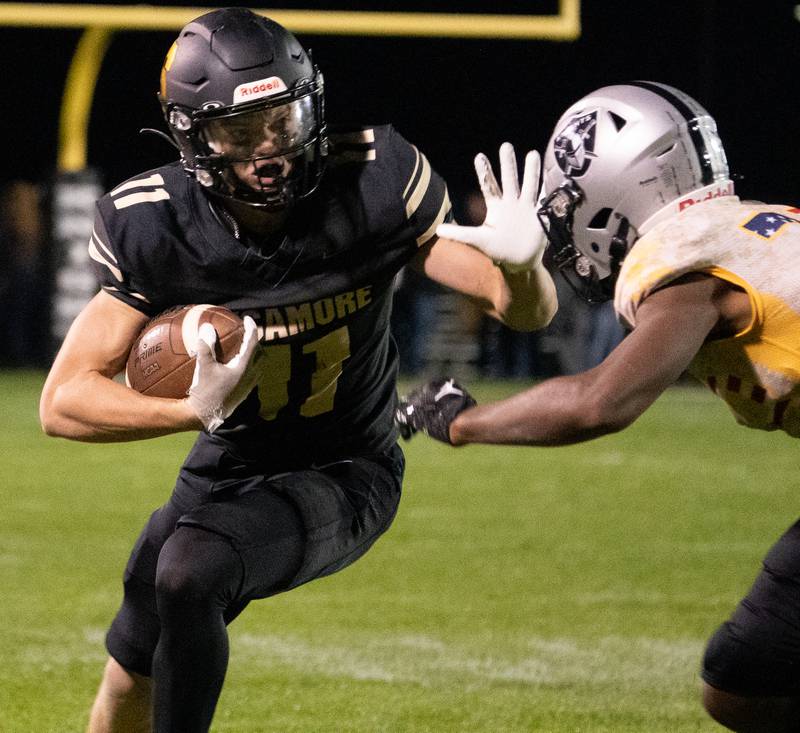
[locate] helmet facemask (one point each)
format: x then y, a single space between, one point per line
556 214
266 154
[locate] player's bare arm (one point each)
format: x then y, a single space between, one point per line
673 324
524 300
81 400
499 263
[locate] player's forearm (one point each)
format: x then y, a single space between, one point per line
558 412
97 409
525 301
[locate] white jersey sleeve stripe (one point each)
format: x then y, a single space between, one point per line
102 246
357 137
98 257
414 174
421 188
154 180
140 198
440 217
112 289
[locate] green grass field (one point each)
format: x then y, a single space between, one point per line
567 589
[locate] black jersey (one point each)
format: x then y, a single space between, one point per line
320 291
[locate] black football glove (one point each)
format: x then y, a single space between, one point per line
431 408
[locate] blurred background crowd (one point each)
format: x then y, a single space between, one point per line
26 270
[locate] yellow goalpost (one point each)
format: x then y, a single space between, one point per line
76 186
101 21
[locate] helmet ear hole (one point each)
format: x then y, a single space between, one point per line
619 122
595 247
666 150
600 219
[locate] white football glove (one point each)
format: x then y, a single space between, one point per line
511 234
217 389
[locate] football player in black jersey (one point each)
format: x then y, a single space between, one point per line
301 230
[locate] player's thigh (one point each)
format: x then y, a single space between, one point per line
346 507
263 528
757 650
315 521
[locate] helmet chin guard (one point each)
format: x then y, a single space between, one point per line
620 160
245 104
557 213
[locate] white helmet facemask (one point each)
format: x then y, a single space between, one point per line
620 160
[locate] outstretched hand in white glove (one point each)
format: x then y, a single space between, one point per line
217 388
511 234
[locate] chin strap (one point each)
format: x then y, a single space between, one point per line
228 218
161 134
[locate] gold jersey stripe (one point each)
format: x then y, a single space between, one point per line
420 189
444 210
112 289
414 173
102 246
97 257
154 180
354 156
354 138
160 194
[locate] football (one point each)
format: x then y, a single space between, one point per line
162 360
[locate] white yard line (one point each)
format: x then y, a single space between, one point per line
643 663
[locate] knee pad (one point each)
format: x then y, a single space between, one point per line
197 567
134 632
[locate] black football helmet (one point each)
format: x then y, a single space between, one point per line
244 102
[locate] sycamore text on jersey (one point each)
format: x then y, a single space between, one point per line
281 322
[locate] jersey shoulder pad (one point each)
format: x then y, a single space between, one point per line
352 145
152 187
424 192
394 173
694 240
134 222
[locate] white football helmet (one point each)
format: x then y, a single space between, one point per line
620 160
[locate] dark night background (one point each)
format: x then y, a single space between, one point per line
454 97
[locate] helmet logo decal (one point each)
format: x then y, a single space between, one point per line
166 67
574 145
714 191
258 89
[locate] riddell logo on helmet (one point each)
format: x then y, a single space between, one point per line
258 89
724 189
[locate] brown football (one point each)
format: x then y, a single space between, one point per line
161 362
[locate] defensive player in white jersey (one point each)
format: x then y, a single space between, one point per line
640 207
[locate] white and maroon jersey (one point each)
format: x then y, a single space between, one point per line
756 247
